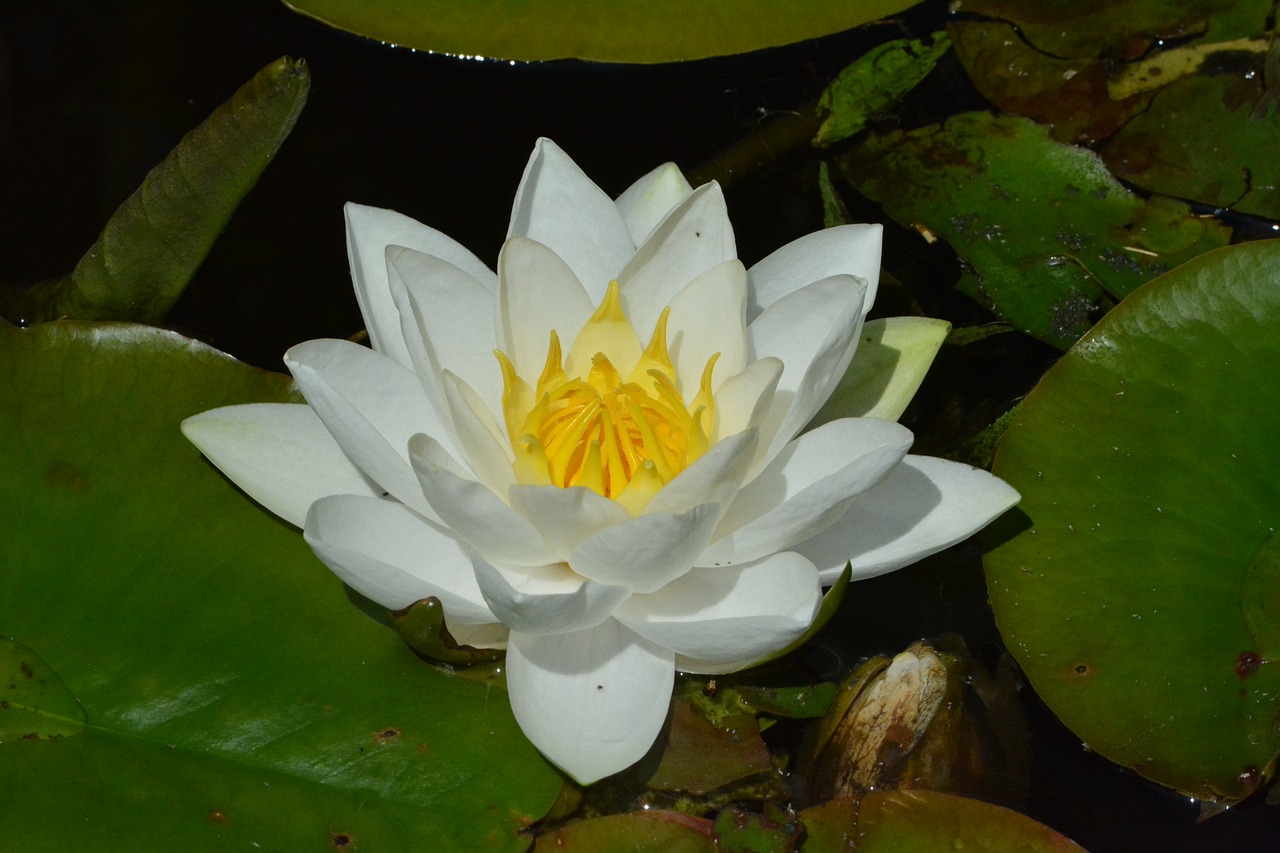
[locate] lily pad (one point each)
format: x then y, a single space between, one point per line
1048 237
1212 139
1120 29
233 693
1138 599
34 703
637 832
1071 95
914 821
628 31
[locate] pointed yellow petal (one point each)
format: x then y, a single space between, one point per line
704 399
531 462
655 356
607 331
517 399
644 484
553 370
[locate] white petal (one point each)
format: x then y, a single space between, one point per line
386 553
592 702
843 250
484 448
646 552
566 517
537 292
806 487
707 317
814 332
369 231
279 453
371 405
560 207
893 357
726 615
694 237
925 505
714 477
453 314
744 399
648 200
546 599
473 512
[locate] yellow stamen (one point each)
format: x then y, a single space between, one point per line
583 425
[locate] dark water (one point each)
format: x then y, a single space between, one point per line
92 94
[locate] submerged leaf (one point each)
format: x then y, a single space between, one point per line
159 236
876 80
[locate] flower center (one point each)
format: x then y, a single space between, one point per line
584 424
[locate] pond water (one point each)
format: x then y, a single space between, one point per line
94 94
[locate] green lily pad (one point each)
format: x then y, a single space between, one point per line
1121 29
159 236
701 756
916 821
234 695
1049 239
34 703
629 31
1139 599
1071 95
1209 138
637 832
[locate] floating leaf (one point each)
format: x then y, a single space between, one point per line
701 756
234 694
34 703
158 237
629 31
1146 459
1048 237
1121 29
1212 139
1071 95
739 831
916 821
422 626
876 80
651 831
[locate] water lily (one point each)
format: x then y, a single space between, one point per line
595 457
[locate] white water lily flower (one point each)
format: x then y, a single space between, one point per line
595 457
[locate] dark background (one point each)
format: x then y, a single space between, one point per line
92 94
